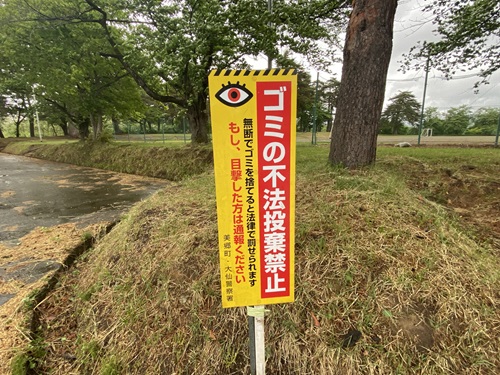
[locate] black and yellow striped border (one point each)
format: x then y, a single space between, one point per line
246 73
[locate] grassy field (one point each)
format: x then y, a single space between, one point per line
322 137
397 272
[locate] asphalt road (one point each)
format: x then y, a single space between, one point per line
40 193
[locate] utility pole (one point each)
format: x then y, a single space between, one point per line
423 100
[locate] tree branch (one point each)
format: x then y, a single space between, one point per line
62 108
103 21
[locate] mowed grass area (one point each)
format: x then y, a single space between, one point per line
172 161
392 277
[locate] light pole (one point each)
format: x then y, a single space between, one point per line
423 100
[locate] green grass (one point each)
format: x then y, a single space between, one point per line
141 159
374 253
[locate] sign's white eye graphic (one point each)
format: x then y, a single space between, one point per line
234 94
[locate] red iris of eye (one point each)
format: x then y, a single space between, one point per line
234 94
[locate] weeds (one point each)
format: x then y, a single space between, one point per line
387 282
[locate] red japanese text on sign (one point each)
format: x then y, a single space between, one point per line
274 122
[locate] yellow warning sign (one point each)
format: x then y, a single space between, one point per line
253 115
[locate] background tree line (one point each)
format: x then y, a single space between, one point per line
402 116
85 60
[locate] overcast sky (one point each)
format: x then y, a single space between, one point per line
413 25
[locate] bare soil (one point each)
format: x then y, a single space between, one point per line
470 191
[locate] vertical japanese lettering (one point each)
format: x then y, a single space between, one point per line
274 115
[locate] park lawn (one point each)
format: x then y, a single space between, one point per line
397 271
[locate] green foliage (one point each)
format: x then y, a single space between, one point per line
457 120
462 121
111 366
27 361
469 31
404 110
306 97
82 49
433 120
63 64
485 122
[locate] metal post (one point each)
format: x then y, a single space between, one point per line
37 119
251 346
260 350
315 111
423 100
257 339
498 131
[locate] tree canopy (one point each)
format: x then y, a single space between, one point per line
62 64
403 110
169 47
470 37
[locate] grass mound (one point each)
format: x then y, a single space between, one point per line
387 282
154 161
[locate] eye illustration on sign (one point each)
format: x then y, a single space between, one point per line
234 94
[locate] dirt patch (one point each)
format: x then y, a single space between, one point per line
417 330
471 191
24 269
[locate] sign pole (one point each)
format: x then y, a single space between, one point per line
251 336
260 348
256 316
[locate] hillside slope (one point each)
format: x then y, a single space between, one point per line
387 281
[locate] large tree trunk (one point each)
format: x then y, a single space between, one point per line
367 53
1 133
198 120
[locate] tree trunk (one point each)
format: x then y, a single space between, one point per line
18 125
1 134
116 125
83 128
32 126
198 120
96 120
63 124
367 53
